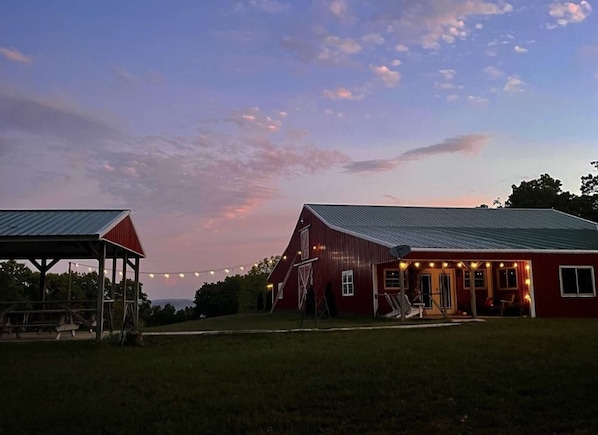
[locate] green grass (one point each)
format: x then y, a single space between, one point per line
509 376
284 320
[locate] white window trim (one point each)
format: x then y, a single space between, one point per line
406 279
280 290
304 240
505 269
467 287
350 284
577 295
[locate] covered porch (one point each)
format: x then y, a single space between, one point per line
441 285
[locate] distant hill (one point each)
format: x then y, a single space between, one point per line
178 304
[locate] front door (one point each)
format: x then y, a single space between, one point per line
437 290
305 280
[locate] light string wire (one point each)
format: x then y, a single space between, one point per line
180 274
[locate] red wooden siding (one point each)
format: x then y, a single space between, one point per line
124 234
549 302
335 252
338 251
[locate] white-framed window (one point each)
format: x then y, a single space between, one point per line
347 283
577 281
479 279
280 290
304 243
507 278
392 279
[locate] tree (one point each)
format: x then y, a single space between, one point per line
17 282
218 299
237 293
589 183
546 192
266 266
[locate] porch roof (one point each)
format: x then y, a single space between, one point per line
430 228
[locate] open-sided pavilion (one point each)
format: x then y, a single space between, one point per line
45 237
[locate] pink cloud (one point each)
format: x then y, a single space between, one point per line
468 144
15 55
389 77
342 94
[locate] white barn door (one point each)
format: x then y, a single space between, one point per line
306 279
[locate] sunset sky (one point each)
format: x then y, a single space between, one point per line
216 120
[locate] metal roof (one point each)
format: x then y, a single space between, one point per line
441 228
66 233
51 223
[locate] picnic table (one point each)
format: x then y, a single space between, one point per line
55 320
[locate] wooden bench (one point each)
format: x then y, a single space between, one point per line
58 326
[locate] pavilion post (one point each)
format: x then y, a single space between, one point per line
402 287
42 279
113 286
124 290
100 301
136 303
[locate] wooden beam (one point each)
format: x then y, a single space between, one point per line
137 290
402 287
474 308
100 301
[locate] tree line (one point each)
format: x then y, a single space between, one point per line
238 293
547 192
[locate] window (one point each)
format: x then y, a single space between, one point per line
392 279
348 289
507 278
479 279
304 244
577 281
280 290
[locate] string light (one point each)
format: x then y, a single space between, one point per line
183 274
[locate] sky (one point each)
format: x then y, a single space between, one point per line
214 121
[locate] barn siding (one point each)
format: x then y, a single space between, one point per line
335 252
549 302
338 251
124 234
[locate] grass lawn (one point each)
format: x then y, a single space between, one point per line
284 320
509 376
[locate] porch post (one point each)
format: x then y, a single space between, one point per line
532 295
402 266
474 309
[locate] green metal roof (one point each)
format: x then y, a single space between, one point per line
438 228
58 223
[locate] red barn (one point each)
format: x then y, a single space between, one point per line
539 262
